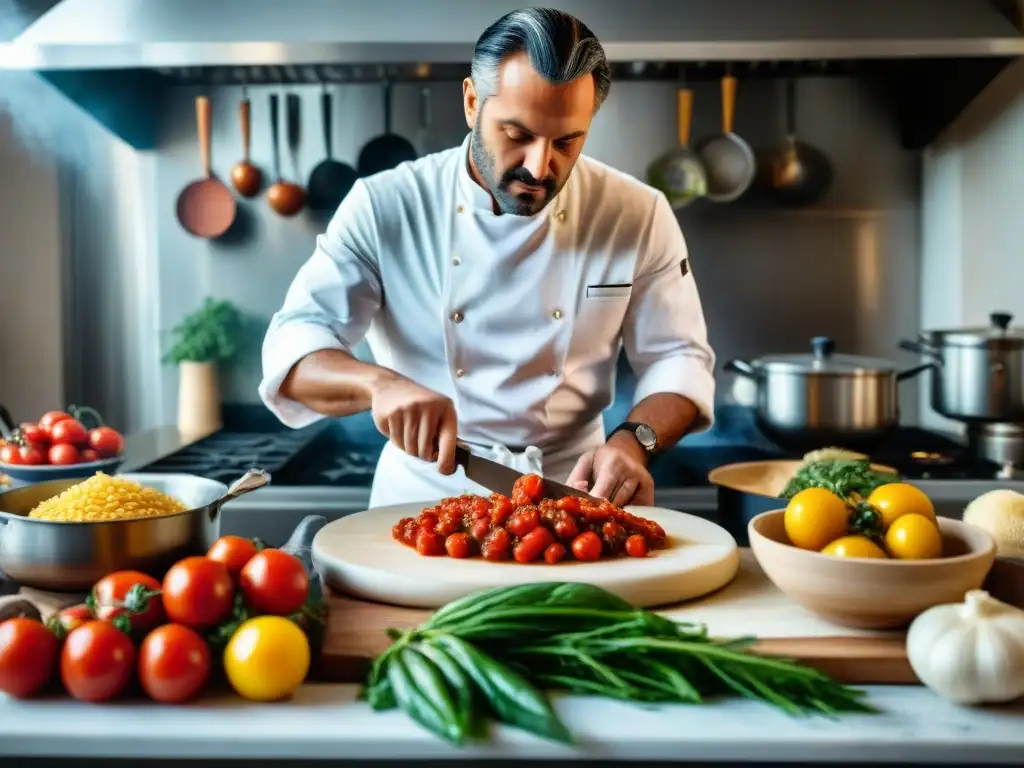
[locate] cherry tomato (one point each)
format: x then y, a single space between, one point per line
34 435
587 546
10 454
276 583
174 663
28 656
72 617
88 454
233 552
114 596
198 592
97 661
106 441
50 418
636 546
63 454
31 456
70 432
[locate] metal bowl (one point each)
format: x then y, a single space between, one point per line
72 556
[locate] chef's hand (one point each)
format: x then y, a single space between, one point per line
417 420
616 471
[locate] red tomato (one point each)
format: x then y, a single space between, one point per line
233 552
50 418
28 655
72 617
63 454
88 454
116 594
97 661
70 432
34 435
31 455
198 592
587 546
106 441
10 453
275 582
174 663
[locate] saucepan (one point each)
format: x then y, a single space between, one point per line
71 557
806 402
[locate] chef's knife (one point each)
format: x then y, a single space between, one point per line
501 479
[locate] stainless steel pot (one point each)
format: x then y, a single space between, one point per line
825 399
979 372
71 557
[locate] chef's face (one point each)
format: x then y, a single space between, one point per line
528 135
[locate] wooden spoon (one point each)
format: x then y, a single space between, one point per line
284 197
246 177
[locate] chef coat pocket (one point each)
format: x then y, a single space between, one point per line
609 291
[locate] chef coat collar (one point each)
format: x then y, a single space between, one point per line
479 198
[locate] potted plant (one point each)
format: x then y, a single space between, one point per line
202 341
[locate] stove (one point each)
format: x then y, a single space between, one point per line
306 457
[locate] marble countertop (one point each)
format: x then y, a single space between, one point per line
326 722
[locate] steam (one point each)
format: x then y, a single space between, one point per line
44 121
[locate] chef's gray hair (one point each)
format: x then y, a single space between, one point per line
560 47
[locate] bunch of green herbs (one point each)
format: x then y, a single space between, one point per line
492 655
846 478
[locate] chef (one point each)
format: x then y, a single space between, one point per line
495 284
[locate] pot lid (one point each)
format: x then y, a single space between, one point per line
997 333
823 360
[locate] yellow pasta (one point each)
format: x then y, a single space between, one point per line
104 498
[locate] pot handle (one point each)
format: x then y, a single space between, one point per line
919 347
741 367
915 371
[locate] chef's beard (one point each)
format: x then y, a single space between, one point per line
500 189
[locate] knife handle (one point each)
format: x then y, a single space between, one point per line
461 454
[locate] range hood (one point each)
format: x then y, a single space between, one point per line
929 58
106 34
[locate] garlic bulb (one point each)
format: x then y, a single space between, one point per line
1001 513
971 652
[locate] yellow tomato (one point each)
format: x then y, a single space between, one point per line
893 500
854 546
914 537
814 517
267 658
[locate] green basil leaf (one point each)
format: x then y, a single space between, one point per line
513 699
420 690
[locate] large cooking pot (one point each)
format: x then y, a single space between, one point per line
805 402
979 372
72 557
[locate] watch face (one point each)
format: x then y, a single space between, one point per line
646 436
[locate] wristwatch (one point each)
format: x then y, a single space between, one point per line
644 434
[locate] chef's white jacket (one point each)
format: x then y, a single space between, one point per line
519 320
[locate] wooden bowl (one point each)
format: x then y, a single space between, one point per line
868 593
765 478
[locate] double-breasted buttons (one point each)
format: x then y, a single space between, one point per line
457 317
557 314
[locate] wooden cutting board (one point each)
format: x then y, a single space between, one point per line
357 556
749 605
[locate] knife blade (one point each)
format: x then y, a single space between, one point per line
501 479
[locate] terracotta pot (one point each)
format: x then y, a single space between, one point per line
199 399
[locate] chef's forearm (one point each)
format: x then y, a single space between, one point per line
668 414
334 383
